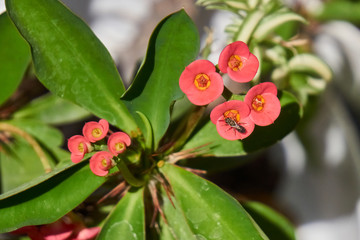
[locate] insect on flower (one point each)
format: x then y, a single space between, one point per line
233 124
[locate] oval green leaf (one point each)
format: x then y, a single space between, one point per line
261 137
51 109
70 60
204 210
14 57
248 26
274 225
269 23
127 219
172 46
48 201
20 164
47 135
310 63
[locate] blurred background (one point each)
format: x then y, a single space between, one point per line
311 176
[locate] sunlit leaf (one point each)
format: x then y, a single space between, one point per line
310 63
70 60
248 26
173 45
52 110
269 23
204 211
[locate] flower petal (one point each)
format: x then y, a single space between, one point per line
230 133
96 163
239 48
260 89
248 70
242 108
102 127
118 137
270 112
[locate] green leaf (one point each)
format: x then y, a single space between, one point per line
47 135
48 201
310 63
14 57
248 26
172 46
204 211
36 181
261 137
52 110
70 60
127 219
269 23
339 10
19 164
274 225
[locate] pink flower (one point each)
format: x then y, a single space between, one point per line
264 104
201 83
232 121
88 233
59 230
101 162
78 146
240 64
118 142
95 131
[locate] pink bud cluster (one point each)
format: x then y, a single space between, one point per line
93 135
234 119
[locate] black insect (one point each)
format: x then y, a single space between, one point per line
233 124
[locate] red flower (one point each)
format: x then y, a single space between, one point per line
118 142
236 60
232 121
95 131
101 162
78 146
201 83
264 104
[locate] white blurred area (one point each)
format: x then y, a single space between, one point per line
320 187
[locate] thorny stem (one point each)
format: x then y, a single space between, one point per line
121 188
188 153
44 161
155 200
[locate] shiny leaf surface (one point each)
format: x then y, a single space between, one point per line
173 45
202 210
70 60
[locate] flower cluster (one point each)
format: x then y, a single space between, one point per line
93 138
234 119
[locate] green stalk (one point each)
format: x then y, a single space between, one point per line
128 176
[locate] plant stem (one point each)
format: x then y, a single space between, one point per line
128 176
227 94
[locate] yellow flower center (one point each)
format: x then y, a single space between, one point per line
202 81
235 63
258 103
104 163
81 147
232 114
119 146
96 132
